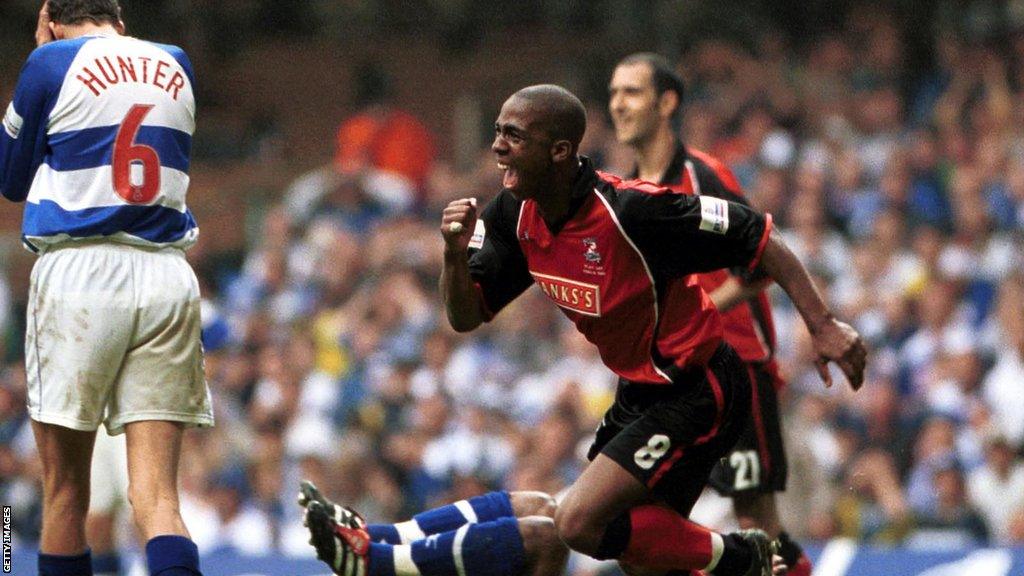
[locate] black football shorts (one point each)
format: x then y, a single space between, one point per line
670 436
758 462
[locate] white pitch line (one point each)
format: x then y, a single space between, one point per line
836 558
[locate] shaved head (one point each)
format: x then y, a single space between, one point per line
555 110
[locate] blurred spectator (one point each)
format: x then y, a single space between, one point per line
996 488
1003 387
873 510
382 136
383 160
934 450
952 523
241 526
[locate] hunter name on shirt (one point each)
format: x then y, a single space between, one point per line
107 71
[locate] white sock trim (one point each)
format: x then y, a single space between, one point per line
409 531
467 511
460 535
404 566
717 548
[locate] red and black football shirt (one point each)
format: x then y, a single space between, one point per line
620 267
749 326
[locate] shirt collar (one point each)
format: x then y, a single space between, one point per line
582 186
674 173
586 178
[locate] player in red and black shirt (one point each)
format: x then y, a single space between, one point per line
618 258
645 97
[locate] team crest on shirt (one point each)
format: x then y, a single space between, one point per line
591 254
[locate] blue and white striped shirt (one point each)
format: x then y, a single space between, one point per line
98 140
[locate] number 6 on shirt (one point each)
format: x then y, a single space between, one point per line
127 152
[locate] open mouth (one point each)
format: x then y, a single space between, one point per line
511 176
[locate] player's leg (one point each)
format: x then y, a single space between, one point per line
154 448
483 508
665 453
759 510
599 518
161 389
65 455
102 538
756 470
73 348
506 546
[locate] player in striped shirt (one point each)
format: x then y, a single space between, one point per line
97 144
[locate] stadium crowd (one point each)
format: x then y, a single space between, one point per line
329 358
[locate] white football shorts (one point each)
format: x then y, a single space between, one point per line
113 336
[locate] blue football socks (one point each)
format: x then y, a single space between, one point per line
490 506
55 565
171 555
493 548
108 564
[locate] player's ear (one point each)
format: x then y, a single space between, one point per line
561 150
56 29
668 102
119 26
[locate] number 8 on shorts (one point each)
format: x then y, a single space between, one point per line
656 447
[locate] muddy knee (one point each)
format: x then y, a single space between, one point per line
541 542
533 503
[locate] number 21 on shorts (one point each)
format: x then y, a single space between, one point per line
657 446
747 467
129 155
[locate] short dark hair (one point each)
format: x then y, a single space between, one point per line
563 115
664 76
78 11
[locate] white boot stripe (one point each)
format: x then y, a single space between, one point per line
339 554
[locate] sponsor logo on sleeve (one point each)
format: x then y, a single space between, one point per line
479 233
570 294
714 215
12 121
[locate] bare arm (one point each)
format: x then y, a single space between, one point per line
834 341
461 298
733 291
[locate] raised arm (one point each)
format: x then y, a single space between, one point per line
23 134
484 266
462 300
